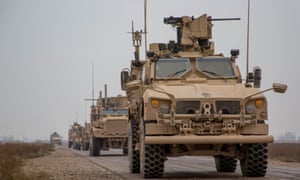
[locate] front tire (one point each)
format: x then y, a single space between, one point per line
151 157
255 160
133 155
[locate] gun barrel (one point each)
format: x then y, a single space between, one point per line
224 19
172 20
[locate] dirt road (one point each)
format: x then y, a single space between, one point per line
66 163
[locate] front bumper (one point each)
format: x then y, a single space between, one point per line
221 139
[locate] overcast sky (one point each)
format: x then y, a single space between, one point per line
47 48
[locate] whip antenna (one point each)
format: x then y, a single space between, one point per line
93 93
248 27
145 26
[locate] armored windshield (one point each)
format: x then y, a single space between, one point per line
215 67
172 68
111 111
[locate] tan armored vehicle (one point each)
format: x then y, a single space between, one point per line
186 100
86 137
109 119
76 136
55 138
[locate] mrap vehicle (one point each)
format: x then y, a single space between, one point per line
109 122
186 100
55 138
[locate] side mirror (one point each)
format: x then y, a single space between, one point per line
279 88
124 79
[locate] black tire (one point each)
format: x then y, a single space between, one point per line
151 157
125 151
255 161
153 164
86 147
133 155
75 145
95 146
70 144
225 163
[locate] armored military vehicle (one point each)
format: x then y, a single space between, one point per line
76 136
55 138
109 119
186 100
86 137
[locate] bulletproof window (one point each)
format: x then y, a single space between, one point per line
215 67
172 68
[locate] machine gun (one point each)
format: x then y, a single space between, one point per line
194 32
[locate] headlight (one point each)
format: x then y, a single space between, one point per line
161 105
250 109
258 107
164 108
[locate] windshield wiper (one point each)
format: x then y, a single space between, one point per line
216 74
175 73
211 72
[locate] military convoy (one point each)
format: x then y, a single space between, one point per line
186 100
183 99
55 138
107 128
109 119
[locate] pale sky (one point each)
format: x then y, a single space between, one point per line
47 48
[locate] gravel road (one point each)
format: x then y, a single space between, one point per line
65 164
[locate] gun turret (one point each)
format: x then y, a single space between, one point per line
194 33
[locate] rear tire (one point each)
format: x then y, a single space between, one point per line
125 151
133 155
225 163
255 161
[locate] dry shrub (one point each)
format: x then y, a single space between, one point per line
12 157
288 152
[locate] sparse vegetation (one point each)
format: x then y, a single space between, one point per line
287 152
12 156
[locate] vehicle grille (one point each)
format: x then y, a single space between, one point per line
116 127
228 107
190 107
187 107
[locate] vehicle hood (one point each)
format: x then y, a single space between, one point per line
199 91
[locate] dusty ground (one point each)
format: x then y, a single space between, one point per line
65 164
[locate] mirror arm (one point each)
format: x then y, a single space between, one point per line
260 92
